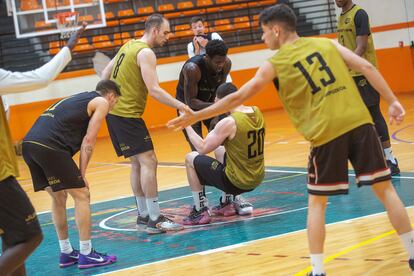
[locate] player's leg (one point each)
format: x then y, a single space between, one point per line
376 174
382 130
200 212
142 210
19 228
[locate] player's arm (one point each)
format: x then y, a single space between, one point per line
106 73
98 108
224 129
359 64
147 61
226 71
14 82
264 75
362 32
192 76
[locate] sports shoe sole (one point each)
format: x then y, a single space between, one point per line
95 265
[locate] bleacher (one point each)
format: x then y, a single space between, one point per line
235 20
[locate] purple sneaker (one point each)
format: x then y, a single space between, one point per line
198 217
68 259
226 209
95 259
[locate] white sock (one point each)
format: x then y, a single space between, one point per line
389 155
200 200
65 246
408 240
153 208
225 197
317 264
85 247
141 206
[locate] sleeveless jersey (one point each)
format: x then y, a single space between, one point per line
127 74
244 153
347 36
63 125
8 161
317 90
207 85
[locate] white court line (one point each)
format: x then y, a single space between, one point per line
239 244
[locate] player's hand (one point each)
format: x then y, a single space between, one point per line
73 40
203 42
396 112
187 117
196 45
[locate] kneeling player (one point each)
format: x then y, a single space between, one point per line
238 168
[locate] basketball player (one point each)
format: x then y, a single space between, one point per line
325 106
68 126
19 228
355 34
239 168
134 69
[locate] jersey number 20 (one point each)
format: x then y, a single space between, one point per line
323 67
256 146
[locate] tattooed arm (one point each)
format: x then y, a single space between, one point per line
97 109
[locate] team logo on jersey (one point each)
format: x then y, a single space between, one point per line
362 82
347 20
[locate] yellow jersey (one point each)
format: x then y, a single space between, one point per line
245 152
8 161
317 90
347 33
127 74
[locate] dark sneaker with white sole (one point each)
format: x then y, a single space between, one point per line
162 225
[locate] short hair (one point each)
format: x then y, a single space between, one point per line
216 47
279 13
225 89
195 19
154 21
108 86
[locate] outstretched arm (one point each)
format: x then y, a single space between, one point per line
224 129
147 61
359 64
98 109
264 75
14 82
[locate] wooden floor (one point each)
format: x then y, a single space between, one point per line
365 246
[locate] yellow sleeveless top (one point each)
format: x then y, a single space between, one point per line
244 153
8 161
127 74
347 36
317 91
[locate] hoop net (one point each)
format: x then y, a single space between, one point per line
67 23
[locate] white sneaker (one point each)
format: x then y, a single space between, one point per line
242 207
162 225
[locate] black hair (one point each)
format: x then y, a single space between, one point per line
195 19
225 89
216 47
154 21
279 13
108 86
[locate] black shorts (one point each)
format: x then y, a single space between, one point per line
211 172
328 164
368 93
129 136
18 220
52 168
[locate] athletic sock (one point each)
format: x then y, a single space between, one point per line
200 200
141 206
85 247
389 155
153 208
317 264
408 240
65 246
225 197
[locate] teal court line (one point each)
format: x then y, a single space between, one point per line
280 209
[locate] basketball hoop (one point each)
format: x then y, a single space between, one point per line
67 23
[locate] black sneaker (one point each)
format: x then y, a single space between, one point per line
198 217
411 262
161 225
142 222
395 170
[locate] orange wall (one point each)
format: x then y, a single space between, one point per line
395 64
